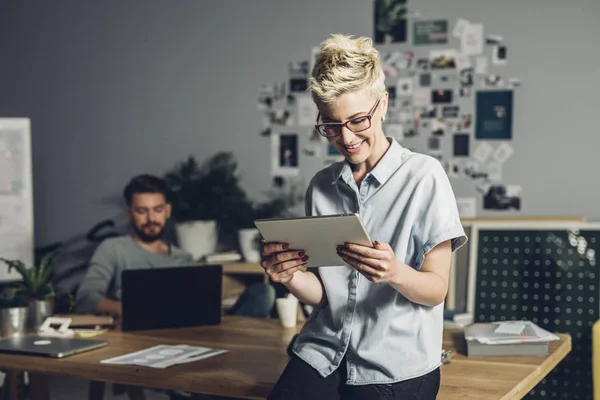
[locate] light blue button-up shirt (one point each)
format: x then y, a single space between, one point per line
408 202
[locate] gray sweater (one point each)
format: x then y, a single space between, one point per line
103 278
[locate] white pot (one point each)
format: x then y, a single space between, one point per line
198 238
248 244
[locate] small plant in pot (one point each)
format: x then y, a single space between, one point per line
201 196
13 311
36 287
280 204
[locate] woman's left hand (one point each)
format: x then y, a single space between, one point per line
377 264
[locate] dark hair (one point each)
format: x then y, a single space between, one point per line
145 184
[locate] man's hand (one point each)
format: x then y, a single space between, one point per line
108 306
280 263
377 264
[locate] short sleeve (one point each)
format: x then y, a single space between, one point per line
438 219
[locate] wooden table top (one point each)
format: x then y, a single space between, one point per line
257 355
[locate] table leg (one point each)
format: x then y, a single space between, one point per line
38 386
14 386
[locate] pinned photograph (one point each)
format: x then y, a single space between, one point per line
298 69
425 80
499 55
471 41
514 82
438 127
461 144
390 21
291 100
473 170
464 91
332 154
284 161
450 111
434 143
423 64
441 96
493 80
278 181
443 59
430 32
404 87
428 112
494 115
452 168
467 207
501 197
298 84
467 120
446 78
466 77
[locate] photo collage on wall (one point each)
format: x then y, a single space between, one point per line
446 99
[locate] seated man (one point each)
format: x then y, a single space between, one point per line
148 211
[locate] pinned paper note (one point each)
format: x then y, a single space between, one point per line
481 65
482 152
502 153
459 27
471 41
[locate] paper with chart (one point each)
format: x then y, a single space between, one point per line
163 356
16 208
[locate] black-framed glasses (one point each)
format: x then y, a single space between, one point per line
358 124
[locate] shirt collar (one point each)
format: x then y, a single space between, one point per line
383 170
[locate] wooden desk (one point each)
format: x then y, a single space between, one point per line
257 355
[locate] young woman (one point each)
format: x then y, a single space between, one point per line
376 331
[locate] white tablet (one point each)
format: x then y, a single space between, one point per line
317 236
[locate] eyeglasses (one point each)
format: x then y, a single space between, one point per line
358 124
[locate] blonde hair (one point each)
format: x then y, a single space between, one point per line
346 64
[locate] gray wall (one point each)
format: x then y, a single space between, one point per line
116 88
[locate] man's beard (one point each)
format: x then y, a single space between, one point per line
148 238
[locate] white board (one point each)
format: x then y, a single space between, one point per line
16 194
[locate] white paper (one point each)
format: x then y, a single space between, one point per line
404 87
459 27
482 152
306 111
510 329
481 65
494 171
467 207
502 153
463 61
471 41
163 356
495 59
421 97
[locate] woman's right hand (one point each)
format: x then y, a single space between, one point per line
280 263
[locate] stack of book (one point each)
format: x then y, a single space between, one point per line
507 338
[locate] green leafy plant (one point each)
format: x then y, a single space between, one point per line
36 283
206 192
10 297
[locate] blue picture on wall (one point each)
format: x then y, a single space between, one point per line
494 110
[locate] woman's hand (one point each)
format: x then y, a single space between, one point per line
377 264
280 263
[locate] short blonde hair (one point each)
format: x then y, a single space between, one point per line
346 64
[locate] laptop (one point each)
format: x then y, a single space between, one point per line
171 297
48 346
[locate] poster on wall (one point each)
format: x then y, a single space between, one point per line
390 21
284 153
494 115
430 32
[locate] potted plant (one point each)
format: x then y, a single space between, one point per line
202 197
36 287
13 311
280 203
